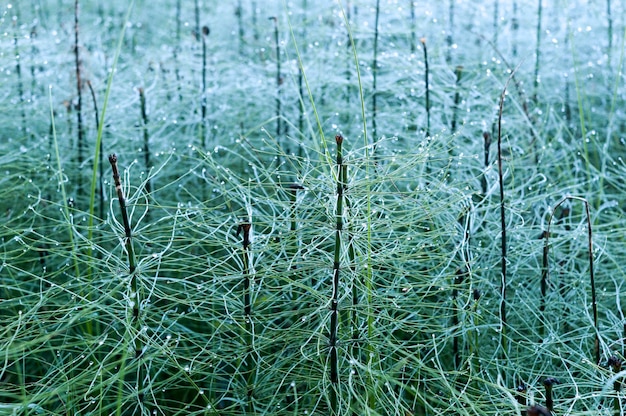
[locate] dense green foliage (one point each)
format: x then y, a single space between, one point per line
265 271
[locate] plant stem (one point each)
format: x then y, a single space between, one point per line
334 313
239 14
449 36
503 259
79 103
457 97
244 228
374 75
196 13
496 13
609 32
135 295
413 27
537 53
203 100
100 153
594 304
279 81
18 72
515 28
146 138
426 75
486 147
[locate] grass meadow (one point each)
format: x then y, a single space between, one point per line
351 207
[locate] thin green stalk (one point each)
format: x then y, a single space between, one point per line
66 206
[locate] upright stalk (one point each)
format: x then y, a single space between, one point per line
374 74
515 28
594 304
146 138
203 100
457 97
79 104
279 81
609 32
449 36
548 384
100 154
503 257
486 147
301 82
427 102
196 13
244 228
334 303
413 27
18 71
134 295
496 15
239 14
537 53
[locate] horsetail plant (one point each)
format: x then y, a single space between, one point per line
146 137
537 53
427 87
203 100
244 229
458 72
334 303
545 273
79 103
374 74
549 383
616 365
503 256
135 294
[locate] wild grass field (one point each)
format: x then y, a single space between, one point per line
351 207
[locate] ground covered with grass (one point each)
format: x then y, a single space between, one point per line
361 207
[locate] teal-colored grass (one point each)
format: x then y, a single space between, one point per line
410 219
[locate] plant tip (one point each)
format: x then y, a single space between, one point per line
205 31
538 411
339 139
